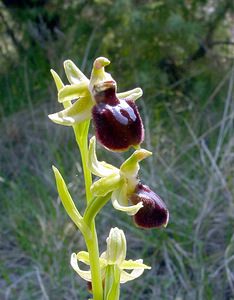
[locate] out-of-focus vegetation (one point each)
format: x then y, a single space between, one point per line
181 54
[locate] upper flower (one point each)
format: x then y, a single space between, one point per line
114 256
116 119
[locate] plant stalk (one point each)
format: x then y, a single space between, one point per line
81 134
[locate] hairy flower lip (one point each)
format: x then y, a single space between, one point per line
118 126
154 213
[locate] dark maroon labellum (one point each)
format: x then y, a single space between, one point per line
117 122
154 213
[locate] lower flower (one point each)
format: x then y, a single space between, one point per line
147 208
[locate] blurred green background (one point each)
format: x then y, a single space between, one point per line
181 54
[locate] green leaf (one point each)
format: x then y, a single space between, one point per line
67 200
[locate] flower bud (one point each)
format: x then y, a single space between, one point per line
116 246
154 213
117 122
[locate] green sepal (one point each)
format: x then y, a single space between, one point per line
58 81
59 84
131 165
106 185
74 91
76 113
137 267
73 73
99 168
129 169
133 94
119 200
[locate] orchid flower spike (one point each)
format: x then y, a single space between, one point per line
115 255
116 119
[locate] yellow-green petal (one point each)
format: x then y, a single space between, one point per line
120 201
129 169
72 92
133 264
73 73
98 168
58 82
125 276
138 269
86 275
79 112
131 95
106 185
83 256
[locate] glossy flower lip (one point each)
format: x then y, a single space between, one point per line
114 255
117 122
154 213
118 125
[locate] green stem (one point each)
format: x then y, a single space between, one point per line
94 207
81 134
92 247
